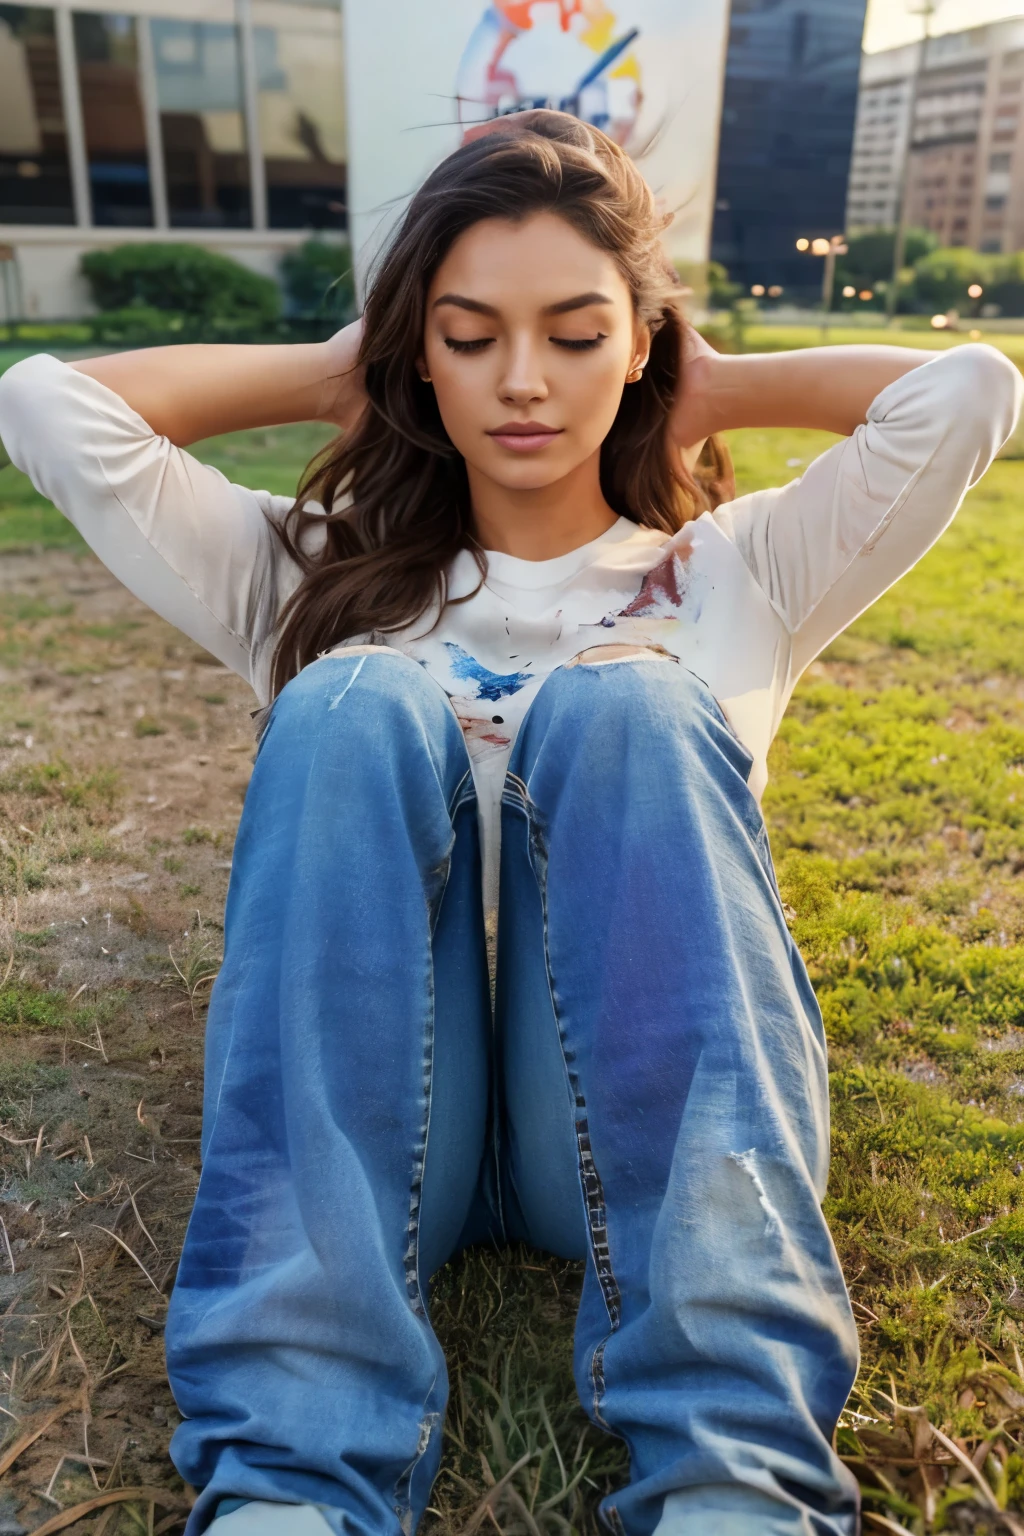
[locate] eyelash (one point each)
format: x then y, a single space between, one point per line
585 344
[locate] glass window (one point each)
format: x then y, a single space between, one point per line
199 93
35 181
301 101
115 131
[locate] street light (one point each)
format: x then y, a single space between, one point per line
829 249
926 10
975 291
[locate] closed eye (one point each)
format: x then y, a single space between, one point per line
583 344
468 346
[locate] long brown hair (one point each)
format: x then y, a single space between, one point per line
395 490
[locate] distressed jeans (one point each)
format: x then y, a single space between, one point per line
650 1096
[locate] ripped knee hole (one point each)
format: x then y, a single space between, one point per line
596 655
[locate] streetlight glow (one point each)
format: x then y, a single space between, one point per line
866 293
803 245
849 293
975 291
939 322
775 291
820 247
758 290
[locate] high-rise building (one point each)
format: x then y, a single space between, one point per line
965 173
790 101
880 137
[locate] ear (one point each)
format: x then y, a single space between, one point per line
641 345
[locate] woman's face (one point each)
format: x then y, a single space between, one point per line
529 335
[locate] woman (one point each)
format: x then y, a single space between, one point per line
526 615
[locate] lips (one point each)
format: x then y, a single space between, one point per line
524 436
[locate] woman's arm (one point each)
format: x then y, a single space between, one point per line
829 388
825 546
186 393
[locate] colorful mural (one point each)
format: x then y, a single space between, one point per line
576 55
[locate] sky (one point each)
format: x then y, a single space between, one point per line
891 22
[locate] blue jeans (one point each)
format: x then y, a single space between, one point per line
651 1097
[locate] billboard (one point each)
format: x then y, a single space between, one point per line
649 72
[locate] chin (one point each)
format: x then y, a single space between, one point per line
533 473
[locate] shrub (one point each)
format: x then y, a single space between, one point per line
182 278
135 324
318 280
942 278
1006 284
722 291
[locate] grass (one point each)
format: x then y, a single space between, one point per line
913 333
896 812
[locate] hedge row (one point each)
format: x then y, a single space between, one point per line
144 292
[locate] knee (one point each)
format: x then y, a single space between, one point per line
610 702
622 682
367 691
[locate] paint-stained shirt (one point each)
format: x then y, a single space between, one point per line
745 596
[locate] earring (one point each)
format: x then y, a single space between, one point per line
634 376
426 378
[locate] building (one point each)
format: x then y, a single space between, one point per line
960 98
787 130
247 124
880 137
181 119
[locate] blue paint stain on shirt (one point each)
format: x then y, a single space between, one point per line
491 686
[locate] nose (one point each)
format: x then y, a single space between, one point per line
523 379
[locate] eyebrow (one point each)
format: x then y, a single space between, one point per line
564 307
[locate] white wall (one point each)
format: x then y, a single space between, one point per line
403 113
48 257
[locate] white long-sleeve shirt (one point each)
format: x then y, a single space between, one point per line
745 596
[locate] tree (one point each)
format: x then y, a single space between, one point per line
868 261
942 278
1006 284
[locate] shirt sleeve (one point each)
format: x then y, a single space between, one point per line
188 543
826 546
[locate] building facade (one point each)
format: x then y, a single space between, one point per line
880 137
215 120
960 98
789 106
247 124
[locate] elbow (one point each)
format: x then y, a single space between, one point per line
28 395
991 394
20 405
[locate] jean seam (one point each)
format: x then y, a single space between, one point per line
590 1180
402 1495
465 790
402 1492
